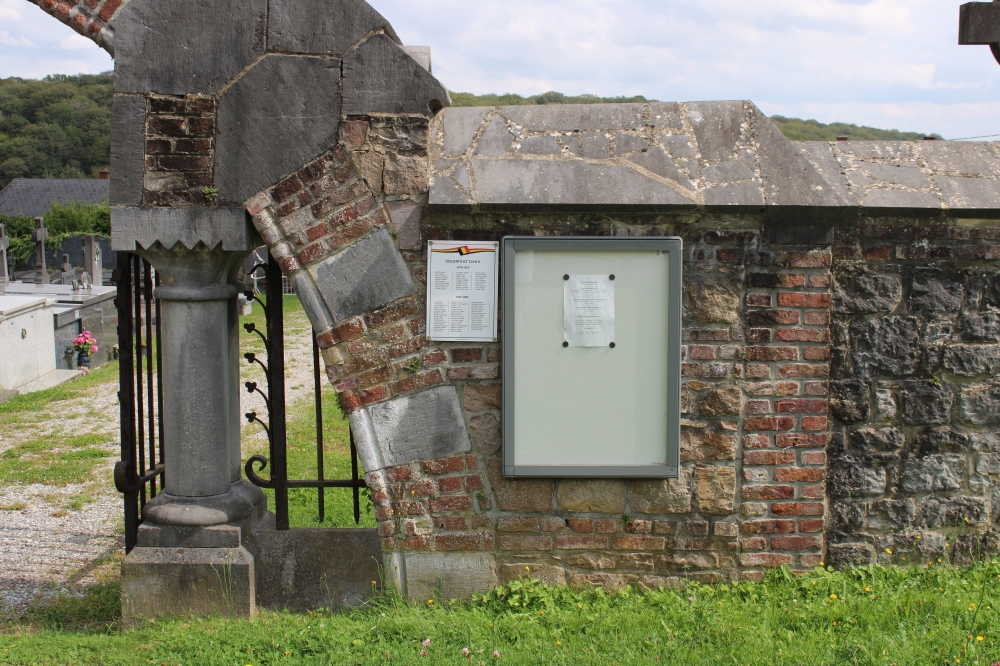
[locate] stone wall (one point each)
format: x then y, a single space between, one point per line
915 456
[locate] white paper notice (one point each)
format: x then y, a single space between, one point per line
589 310
462 290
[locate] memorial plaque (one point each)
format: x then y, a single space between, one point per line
591 357
462 291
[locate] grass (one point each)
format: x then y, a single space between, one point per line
303 505
870 615
33 407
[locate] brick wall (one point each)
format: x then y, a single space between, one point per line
179 150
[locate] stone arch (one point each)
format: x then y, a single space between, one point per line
90 18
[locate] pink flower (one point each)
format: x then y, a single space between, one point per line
93 349
465 652
496 654
427 642
423 653
86 335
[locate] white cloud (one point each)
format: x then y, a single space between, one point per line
8 40
76 41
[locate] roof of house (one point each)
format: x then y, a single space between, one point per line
34 196
725 156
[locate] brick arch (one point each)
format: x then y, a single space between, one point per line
90 18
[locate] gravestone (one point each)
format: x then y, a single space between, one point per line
4 244
92 260
38 236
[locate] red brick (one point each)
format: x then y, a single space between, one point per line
795 542
772 353
814 423
584 525
349 403
803 335
758 335
365 205
639 543
445 465
386 529
822 281
201 126
813 458
435 357
817 353
415 543
815 388
342 217
800 440
455 503
702 352
374 376
772 317
768 492
758 371
817 318
452 542
756 441
516 524
804 370
764 559
450 484
108 9
759 300
553 524
417 381
581 542
467 354
752 458
878 253
800 406
768 423
523 542
797 509
421 488
397 474
494 354
715 370
707 334
768 526
311 253
754 543
373 395
801 300
606 526
757 407
809 259
349 233
474 372
811 526
473 483
795 474
348 384
403 348
455 523
813 492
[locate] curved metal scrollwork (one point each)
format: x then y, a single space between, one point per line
252 474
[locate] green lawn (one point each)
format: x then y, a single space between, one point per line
873 615
303 505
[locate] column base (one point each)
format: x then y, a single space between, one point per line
230 507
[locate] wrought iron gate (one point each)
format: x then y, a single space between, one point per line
140 397
139 474
274 399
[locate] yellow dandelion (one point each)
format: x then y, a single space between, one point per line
918 536
821 563
972 606
980 638
833 596
558 642
527 568
430 601
889 550
867 589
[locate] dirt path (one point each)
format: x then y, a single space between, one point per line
51 536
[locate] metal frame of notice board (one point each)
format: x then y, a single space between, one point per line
544 392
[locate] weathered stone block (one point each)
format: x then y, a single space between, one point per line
989 463
128 146
979 404
892 514
379 77
712 300
369 165
850 554
865 292
848 516
663 495
364 277
187 581
722 402
298 121
941 440
704 445
520 494
715 490
971 360
887 346
885 404
595 561
175 47
496 139
547 574
985 441
449 575
485 434
933 473
405 174
849 477
294 26
849 402
980 327
957 511
591 495
877 439
406 217
927 403
425 426
929 295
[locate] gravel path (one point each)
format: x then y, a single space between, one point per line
46 549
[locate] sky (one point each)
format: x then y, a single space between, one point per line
893 64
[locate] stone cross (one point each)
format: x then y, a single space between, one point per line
4 244
92 262
39 235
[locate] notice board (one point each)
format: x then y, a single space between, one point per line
591 356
